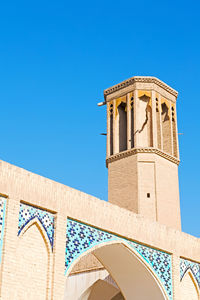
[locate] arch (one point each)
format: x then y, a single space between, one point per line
34 251
165 111
145 121
122 111
189 286
128 269
85 253
99 287
42 230
27 213
90 285
166 127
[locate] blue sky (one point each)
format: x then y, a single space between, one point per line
56 57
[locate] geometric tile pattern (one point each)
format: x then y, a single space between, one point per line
81 237
160 262
2 222
28 213
186 265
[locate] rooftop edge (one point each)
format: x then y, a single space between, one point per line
132 80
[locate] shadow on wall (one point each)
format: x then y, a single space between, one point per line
101 289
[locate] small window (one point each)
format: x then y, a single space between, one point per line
148 195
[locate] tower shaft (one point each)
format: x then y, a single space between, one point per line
142 149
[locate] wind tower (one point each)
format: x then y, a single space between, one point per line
142 149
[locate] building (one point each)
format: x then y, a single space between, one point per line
59 243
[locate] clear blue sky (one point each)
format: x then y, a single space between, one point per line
56 57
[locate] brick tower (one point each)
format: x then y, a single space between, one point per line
142 149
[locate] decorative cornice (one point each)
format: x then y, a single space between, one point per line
141 150
132 80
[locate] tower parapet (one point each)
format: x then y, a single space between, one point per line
142 149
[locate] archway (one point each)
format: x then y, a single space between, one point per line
101 288
133 276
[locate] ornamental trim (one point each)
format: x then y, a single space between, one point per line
141 150
145 79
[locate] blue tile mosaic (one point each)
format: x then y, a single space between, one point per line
2 222
81 237
28 213
160 262
186 265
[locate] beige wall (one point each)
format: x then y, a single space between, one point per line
122 183
147 194
167 193
33 259
18 184
189 288
132 177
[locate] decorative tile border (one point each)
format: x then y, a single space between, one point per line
186 265
2 222
81 237
28 213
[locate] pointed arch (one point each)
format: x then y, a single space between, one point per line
99 287
35 221
186 288
85 253
34 251
113 263
28 212
166 127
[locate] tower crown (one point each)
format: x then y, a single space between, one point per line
142 144
142 114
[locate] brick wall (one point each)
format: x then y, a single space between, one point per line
17 267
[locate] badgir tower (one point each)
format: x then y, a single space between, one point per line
57 243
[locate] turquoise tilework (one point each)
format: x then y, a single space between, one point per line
28 213
81 237
160 263
2 222
186 265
